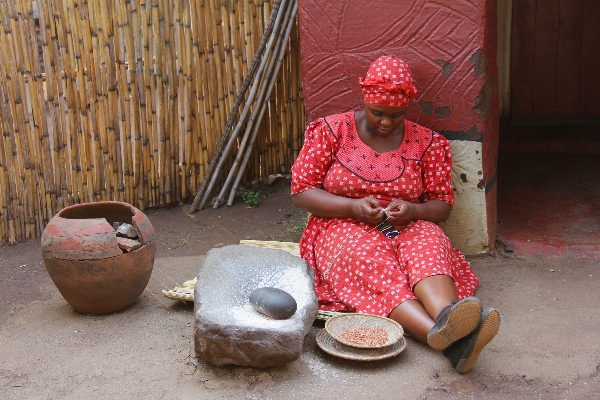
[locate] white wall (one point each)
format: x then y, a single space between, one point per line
467 225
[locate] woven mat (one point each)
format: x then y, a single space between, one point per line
185 292
290 247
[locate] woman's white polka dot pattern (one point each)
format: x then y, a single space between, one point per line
357 267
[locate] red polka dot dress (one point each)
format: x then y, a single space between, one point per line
356 267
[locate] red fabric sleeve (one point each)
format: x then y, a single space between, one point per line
315 157
437 171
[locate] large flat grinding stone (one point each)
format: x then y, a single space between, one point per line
228 329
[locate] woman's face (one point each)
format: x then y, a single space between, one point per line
383 121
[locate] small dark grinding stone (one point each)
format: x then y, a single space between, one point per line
273 302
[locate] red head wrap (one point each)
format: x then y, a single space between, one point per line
388 83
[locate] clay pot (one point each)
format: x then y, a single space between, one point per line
81 252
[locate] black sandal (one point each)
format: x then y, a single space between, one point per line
464 353
454 322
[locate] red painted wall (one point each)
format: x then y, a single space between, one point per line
449 44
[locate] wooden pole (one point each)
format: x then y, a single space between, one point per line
290 20
56 110
16 95
203 188
9 126
260 85
249 103
264 91
38 141
147 179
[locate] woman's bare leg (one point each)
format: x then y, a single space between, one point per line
417 316
414 319
435 293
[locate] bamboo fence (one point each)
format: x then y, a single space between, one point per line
128 100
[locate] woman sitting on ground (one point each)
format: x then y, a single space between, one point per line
377 186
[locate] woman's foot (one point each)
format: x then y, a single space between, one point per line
454 322
464 353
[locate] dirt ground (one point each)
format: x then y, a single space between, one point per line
548 346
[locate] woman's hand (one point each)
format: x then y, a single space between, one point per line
368 210
324 204
402 212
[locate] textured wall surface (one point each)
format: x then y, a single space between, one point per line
443 44
467 225
451 48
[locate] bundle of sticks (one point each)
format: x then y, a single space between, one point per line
261 78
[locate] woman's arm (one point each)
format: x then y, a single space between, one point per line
402 212
324 204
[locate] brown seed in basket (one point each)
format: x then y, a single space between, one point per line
365 337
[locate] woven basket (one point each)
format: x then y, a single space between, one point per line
341 323
335 348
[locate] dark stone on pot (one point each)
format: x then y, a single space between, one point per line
127 231
274 302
